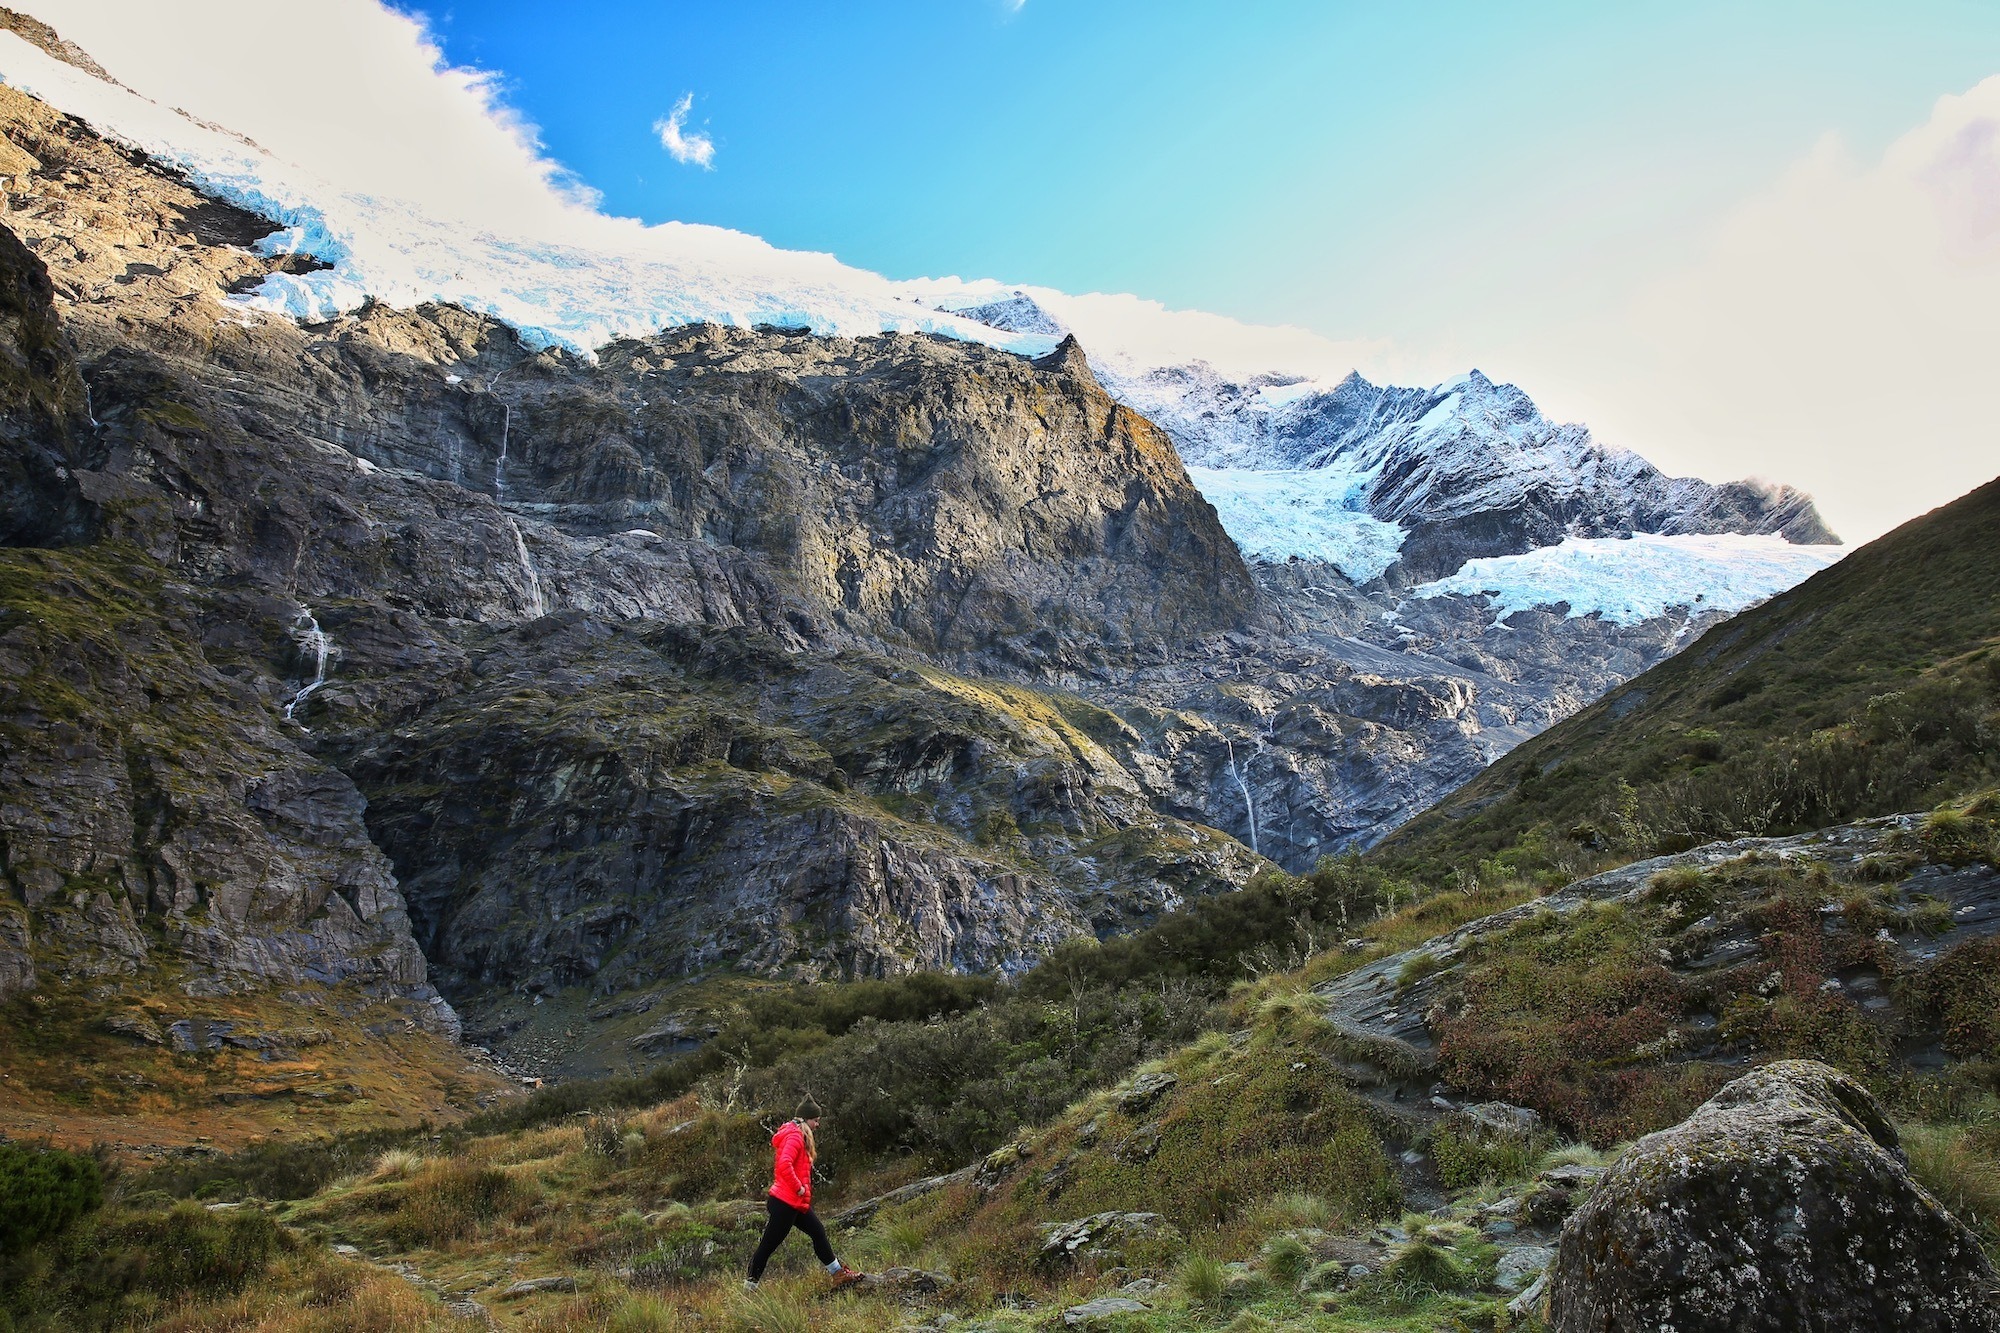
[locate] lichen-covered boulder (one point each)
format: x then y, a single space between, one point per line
1108 1238
1782 1204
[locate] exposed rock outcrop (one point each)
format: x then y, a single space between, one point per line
406 546
1783 1203
807 655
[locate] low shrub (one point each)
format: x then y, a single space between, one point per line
43 1191
280 1169
1959 994
1466 1154
111 1268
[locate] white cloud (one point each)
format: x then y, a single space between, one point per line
351 89
1839 330
696 148
1144 333
1836 331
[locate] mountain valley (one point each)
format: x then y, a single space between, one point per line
1219 851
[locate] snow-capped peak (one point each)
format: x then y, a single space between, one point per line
577 281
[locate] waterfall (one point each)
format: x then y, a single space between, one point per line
309 636
535 602
1249 805
500 464
506 428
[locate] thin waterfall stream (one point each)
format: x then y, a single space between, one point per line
311 638
1242 785
535 602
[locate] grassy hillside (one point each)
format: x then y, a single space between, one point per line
1869 689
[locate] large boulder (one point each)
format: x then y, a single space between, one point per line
1782 1204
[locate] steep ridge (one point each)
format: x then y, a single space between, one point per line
403 546
1468 468
1860 692
527 430
447 564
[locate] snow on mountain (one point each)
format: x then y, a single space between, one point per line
1278 513
1633 579
577 285
1367 477
1298 460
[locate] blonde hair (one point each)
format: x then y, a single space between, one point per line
812 1143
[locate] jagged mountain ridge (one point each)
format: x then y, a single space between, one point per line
667 617
1066 679
1466 469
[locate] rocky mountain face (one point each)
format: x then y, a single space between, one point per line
640 665
388 651
1466 469
1470 468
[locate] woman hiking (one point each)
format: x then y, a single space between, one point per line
790 1203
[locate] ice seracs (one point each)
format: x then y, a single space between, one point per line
576 284
1633 579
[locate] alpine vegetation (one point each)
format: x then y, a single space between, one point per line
584 775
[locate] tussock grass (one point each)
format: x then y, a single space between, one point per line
1424 1267
1286 1259
1201 1278
396 1164
1297 1210
1959 1166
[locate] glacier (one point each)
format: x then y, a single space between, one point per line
1636 578
1302 458
602 279
1277 514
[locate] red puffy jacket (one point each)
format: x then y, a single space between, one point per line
791 1175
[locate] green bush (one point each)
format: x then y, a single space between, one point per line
1959 994
1467 1155
113 1268
278 1169
190 1248
43 1191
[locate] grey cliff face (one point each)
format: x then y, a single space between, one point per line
479 579
337 647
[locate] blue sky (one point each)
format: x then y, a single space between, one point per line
1743 239
1407 171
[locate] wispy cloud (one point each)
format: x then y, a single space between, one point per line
682 144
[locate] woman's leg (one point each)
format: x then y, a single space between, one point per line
783 1217
809 1222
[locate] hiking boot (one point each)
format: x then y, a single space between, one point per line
846 1277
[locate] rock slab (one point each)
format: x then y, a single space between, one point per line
1783 1203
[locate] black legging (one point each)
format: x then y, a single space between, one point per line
783 1218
